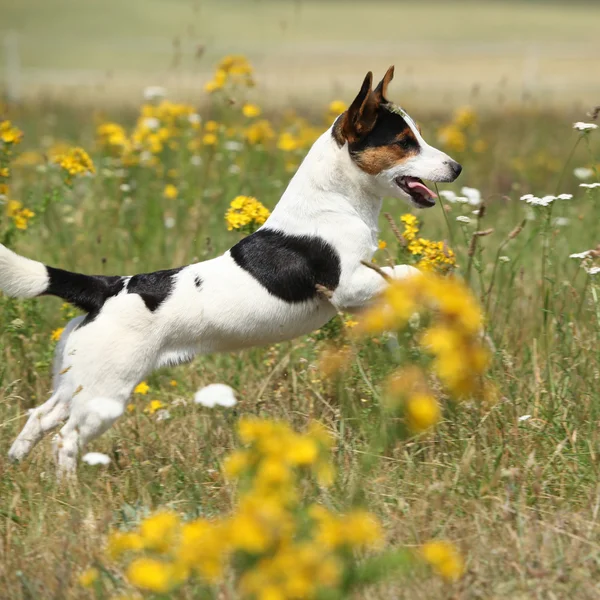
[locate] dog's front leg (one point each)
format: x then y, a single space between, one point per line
359 288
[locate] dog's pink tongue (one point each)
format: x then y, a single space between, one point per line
418 185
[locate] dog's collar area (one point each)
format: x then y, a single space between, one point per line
419 193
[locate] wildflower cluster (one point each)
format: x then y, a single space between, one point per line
246 214
462 131
10 136
544 200
274 545
452 338
19 214
234 70
431 256
74 162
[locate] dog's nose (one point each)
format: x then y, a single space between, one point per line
456 167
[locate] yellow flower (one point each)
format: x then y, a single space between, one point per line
209 139
465 117
302 451
173 383
337 107
153 406
453 138
141 388
4 172
259 132
245 212
121 542
56 334
288 142
444 558
130 407
422 412
382 245
74 162
13 207
9 134
170 191
160 530
88 577
350 323
361 529
211 126
154 575
20 216
251 110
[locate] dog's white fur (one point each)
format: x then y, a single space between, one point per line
97 366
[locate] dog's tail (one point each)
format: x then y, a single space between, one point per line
22 277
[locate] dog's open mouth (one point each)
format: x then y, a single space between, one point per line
420 194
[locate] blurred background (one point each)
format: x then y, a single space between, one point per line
446 52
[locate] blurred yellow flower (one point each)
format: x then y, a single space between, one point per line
251 110
153 406
444 558
259 132
141 388
9 134
422 412
74 162
160 530
453 138
209 139
382 245
170 191
56 334
154 575
88 577
288 142
337 107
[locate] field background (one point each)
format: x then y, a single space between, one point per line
306 50
521 498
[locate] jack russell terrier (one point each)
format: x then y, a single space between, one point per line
264 290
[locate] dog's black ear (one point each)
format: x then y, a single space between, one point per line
381 89
360 118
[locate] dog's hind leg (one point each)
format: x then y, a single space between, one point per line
89 419
42 419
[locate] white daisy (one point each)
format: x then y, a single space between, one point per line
504 259
125 187
589 186
215 394
593 270
581 126
473 195
196 160
561 221
583 173
448 195
154 92
163 415
233 146
151 123
463 219
525 418
96 458
169 222
581 255
194 118
564 196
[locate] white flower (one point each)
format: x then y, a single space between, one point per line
215 394
196 160
448 195
154 92
96 458
525 418
583 173
169 222
581 254
593 270
590 186
463 219
564 196
234 169
151 123
535 201
561 221
527 197
124 187
194 118
475 212
504 259
473 195
581 126
163 415
233 146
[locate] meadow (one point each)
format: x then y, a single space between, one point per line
503 480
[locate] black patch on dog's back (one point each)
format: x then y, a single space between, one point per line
87 292
288 266
154 288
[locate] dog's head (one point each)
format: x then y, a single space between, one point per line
384 142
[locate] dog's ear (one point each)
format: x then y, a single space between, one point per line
360 118
381 89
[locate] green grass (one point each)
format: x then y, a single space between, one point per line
520 498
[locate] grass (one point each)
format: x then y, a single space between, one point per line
519 497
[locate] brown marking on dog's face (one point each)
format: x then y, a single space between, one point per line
377 137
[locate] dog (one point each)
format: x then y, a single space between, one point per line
266 289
